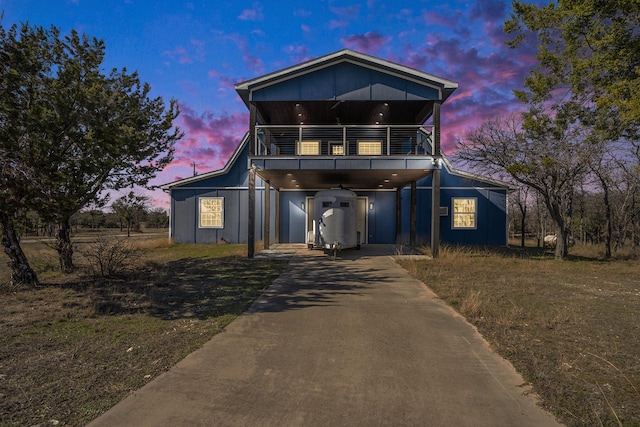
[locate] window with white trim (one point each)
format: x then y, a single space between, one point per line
465 212
337 149
211 212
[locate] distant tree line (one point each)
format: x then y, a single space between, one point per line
590 225
96 219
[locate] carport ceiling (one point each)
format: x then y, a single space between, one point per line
323 179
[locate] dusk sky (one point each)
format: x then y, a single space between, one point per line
196 51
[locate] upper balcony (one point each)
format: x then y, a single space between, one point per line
342 140
354 156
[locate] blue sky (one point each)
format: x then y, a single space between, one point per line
195 51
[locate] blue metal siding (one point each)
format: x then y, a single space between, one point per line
318 86
491 218
293 226
417 92
288 90
423 216
491 215
386 87
352 82
348 82
382 218
183 217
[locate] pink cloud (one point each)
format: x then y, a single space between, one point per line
486 80
184 56
404 15
302 13
369 42
199 46
336 23
254 14
254 63
251 61
298 53
209 140
226 82
489 10
344 16
447 20
346 13
180 54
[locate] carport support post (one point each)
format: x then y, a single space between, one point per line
435 213
251 220
435 183
412 220
398 215
277 218
267 213
251 210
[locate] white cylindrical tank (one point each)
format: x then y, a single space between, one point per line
335 218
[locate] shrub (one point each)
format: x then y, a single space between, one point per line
108 257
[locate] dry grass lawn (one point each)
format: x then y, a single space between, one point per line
76 345
571 328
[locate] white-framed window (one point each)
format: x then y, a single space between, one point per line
369 148
465 212
211 212
308 148
337 149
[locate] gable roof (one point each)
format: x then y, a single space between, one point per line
446 87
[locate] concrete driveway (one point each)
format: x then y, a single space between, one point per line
353 341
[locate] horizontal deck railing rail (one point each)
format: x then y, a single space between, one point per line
343 140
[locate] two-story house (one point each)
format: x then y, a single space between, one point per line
345 120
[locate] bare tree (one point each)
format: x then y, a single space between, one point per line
520 198
544 152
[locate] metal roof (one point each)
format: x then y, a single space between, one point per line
346 55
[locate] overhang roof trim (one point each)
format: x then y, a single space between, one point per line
227 167
474 176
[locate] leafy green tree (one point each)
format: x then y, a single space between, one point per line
70 131
130 209
20 70
588 53
157 218
90 218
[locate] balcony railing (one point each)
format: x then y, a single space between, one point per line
343 140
